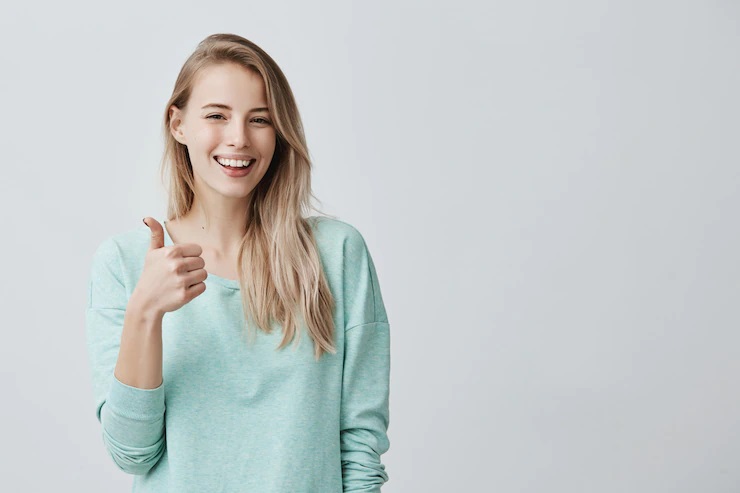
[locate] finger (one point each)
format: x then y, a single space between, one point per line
157 240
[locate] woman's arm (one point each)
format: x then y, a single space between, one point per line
366 373
140 355
123 339
364 414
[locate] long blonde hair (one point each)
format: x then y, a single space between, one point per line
278 253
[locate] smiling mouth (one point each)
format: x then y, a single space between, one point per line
250 163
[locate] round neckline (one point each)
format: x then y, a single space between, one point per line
228 283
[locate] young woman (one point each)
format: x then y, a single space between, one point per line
238 345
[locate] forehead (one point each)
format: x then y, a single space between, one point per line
230 84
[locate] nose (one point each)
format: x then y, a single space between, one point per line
238 135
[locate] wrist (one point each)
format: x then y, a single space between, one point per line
141 307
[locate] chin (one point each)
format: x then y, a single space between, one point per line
236 194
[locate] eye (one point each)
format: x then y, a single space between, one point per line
211 116
263 120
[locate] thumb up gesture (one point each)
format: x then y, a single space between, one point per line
172 276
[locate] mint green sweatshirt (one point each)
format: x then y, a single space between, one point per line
237 415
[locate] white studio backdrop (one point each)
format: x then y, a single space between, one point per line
549 191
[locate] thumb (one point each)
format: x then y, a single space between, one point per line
157 233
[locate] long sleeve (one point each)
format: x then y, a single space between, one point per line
366 374
132 418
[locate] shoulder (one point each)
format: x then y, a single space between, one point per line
337 238
344 252
127 243
339 242
350 272
123 252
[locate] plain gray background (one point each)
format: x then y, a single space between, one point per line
549 191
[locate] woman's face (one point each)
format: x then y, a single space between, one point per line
226 118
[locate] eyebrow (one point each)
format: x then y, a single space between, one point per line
227 107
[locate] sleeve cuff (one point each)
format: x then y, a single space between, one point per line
136 403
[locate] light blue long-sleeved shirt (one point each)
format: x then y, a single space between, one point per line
238 416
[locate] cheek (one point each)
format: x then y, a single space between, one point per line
267 140
209 136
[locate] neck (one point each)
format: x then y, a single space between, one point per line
220 226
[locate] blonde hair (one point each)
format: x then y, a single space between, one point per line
278 253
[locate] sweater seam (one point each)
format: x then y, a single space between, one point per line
372 278
120 265
146 418
367 323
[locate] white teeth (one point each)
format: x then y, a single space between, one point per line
234 163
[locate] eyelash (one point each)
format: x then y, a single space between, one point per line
265 120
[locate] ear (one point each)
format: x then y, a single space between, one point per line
176 124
